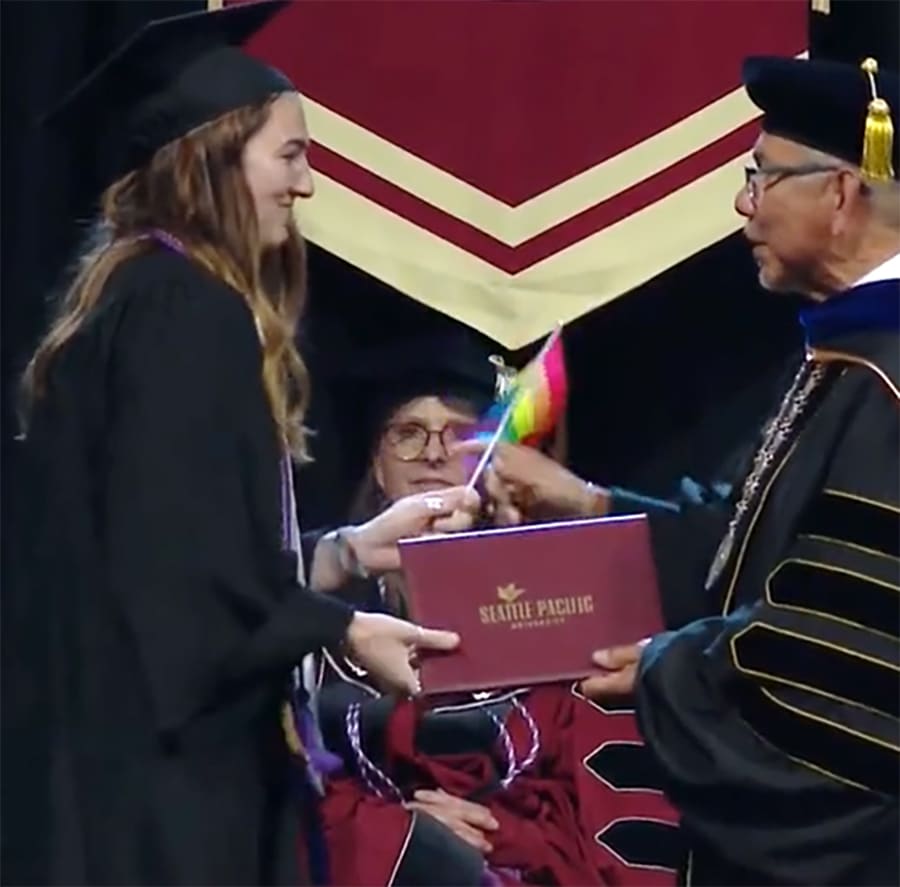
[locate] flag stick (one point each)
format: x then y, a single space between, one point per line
507 413
489 450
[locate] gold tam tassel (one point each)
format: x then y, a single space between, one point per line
878 141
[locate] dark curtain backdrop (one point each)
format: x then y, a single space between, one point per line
667 380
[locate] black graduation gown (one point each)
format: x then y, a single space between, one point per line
164 616
775 723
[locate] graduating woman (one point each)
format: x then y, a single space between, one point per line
170 589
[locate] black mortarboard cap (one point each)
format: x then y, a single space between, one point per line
453 363
829 106
172 76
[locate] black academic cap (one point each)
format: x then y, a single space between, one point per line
448 363
173 75
829 106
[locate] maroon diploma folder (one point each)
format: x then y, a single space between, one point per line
531 603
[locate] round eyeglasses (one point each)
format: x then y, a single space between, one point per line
408 441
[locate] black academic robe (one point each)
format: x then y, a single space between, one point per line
774 719
164 617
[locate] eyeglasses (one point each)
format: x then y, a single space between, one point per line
753 176
409 440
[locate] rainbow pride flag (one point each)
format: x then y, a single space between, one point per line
536 400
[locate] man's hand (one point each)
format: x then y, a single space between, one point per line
620 666
522 481
502 508
466 819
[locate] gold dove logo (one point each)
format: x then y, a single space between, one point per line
509 593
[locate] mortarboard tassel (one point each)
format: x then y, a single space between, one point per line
878 141
505 378
289 729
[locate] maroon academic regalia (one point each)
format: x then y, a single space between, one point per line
586 812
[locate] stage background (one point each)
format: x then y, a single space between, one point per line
668 377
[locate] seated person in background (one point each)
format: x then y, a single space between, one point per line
402 806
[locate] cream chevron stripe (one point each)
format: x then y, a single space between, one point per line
515 225
518 309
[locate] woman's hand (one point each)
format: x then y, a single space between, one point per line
384 646
466 819
448 511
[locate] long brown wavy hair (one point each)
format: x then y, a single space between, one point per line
194 189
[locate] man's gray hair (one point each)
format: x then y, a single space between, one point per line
884 196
